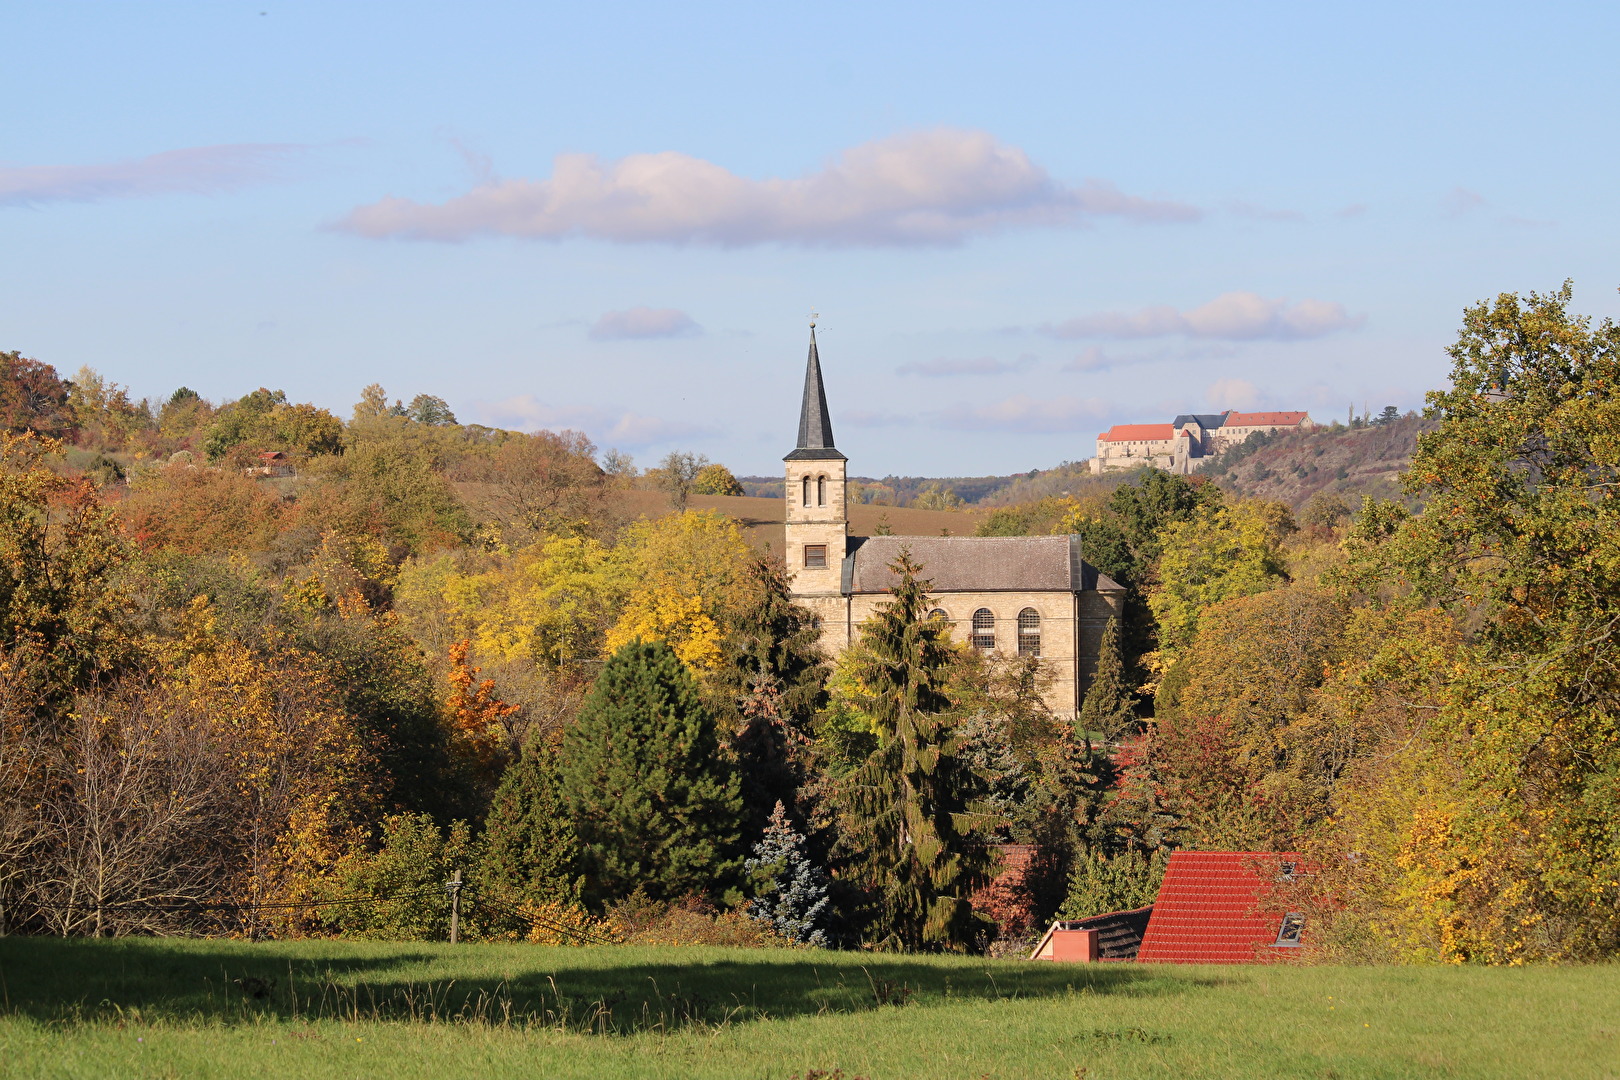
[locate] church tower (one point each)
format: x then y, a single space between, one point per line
817 520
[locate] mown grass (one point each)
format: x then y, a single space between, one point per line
168 1008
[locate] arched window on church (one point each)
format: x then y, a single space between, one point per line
939 615
807 491
983 636
821 491
1029 632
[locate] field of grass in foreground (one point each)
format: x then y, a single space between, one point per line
171 1008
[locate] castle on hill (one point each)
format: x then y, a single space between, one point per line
1012 595
1187 442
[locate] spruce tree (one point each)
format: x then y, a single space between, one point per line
791 893
530 854
911 838
769 690
654 803
1108 704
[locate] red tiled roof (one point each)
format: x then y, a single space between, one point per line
1138 432
1211 909
1257 419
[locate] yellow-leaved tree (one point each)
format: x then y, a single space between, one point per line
687 583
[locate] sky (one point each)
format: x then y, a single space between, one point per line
1019 222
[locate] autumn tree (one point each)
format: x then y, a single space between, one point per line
197 511
677 474
184 416
686 582
545 484
1521 483
63 574
103 412
33 398
265 420
655 804
480 721
1233 550
909 835
427 409
715 479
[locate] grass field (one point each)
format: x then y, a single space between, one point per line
167 1008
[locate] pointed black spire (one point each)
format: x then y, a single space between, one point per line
815 423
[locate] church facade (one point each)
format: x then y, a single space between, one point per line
1013 595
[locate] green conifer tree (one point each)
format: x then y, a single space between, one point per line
910 837
1108 704
653 801
769 691
530 853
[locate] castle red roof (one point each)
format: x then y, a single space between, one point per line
1212 909
1139 433
1260 419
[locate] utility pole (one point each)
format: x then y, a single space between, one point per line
453 887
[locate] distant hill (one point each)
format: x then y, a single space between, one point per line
1347 462
761 519
901 490
1344 461
1069 478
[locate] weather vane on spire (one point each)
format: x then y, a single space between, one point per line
813 317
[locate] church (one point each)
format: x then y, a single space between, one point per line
1013 595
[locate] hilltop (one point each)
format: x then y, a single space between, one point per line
1349 462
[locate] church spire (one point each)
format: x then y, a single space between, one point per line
815 423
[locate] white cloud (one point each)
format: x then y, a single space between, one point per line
1094 358
1239 394
607 427
202 170
1023 413
932 187
644 322
1234 316
982 365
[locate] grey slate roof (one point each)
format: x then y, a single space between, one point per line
974 564
815 422
1207 421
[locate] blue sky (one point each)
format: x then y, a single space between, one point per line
1019 222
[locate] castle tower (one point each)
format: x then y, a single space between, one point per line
817 520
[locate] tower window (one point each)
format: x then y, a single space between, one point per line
983 636
807 491
1029 632
821 491
815 556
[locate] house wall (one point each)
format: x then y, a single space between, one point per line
1072 627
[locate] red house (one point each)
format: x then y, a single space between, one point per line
1216 907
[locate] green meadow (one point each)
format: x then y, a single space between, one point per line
200 1008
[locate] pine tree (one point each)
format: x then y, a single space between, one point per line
530 853
770 689
791 893
654 803
910 836
1108 704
